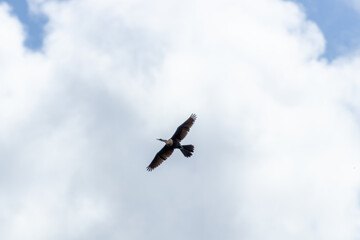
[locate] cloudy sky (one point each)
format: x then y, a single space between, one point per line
86 87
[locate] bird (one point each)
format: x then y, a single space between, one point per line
173 143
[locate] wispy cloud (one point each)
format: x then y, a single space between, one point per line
354 3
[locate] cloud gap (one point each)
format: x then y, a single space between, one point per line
33 23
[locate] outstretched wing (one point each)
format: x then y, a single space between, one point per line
161 156
184 128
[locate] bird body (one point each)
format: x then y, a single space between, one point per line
171 143
174 143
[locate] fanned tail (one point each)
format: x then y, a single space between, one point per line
187 150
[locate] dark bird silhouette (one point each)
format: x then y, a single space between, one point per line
174 142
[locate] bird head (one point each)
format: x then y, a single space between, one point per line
160 139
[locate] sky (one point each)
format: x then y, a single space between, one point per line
87 86
338 20
33 23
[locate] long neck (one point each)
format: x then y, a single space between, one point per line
168 142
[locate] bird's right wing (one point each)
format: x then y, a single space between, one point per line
161 156
184 128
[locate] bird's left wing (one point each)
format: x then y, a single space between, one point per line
184 128
161 156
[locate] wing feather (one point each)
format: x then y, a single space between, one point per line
184 128
161 156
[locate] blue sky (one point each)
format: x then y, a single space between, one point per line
338 20
33 23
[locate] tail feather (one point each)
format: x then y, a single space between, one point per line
187 150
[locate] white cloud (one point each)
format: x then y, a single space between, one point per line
276 140
24 76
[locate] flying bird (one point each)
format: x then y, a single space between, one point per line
174 142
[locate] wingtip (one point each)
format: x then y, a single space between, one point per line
193 116
149 169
